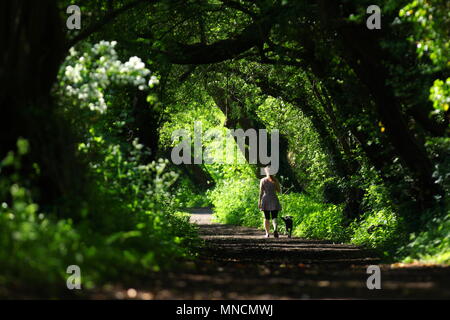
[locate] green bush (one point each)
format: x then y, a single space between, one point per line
187 197
382 230
432 245
313 219
380 226
235 202
129 227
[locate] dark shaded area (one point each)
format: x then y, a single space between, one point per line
238 263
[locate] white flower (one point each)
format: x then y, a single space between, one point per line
137 145
72 51
87 85
153 81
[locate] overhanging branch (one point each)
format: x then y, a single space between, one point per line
106 19
254 35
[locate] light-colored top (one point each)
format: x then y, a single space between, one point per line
269 199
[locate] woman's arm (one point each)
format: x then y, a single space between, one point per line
260 193
277 185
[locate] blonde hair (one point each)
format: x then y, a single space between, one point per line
273 179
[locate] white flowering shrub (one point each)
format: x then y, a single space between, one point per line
87 74
124 171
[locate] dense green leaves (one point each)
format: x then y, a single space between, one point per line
363 117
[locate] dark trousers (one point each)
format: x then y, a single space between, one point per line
268 213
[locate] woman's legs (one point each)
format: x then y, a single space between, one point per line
267 222
267 226
267 216
274 223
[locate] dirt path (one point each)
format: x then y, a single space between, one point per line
238 263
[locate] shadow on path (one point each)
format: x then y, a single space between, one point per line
238 263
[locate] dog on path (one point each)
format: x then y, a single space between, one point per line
289 223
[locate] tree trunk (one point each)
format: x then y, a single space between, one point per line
247 121
361 49
146 124
32 50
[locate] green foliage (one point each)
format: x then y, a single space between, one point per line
301 82
440 94
380 226
127 225
186 197
129 229
431 25
313 219
432 245
32 242
235 202
380 230
439 149
311 162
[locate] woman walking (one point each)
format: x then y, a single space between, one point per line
268 201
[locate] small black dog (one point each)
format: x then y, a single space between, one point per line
289 224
